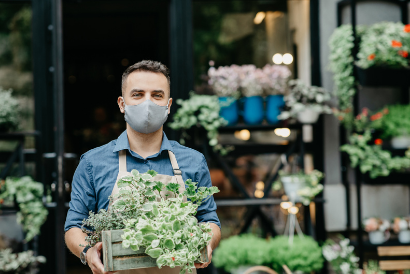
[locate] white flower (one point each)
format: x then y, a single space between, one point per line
329 253
345 268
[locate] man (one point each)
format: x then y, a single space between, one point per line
146 103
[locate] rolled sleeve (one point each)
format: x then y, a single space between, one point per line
83 198
207 210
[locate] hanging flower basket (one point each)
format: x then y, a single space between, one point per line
383 76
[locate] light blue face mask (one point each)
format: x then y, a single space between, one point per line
146 117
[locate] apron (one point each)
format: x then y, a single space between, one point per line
177 178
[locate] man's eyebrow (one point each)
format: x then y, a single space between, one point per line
159 91
136 90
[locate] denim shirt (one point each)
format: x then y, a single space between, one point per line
96 175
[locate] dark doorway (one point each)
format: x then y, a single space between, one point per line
101 39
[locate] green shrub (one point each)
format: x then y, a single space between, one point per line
8 110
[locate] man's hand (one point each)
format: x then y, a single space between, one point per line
93 259
209 259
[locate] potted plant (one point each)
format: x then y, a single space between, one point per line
394 123
238 253
305 102
155 220
304 255
225 83
19 263
372 267
372 158
200 111
378 230
28 194
341 256
275 85
400 226
300 187
384 55
8 110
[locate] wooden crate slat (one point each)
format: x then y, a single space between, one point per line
116 235
107 251
393 250
395 265
125 263
118 250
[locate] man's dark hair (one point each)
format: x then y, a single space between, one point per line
145 65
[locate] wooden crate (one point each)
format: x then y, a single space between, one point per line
117 258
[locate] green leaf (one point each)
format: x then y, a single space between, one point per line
135 173
155 252
147 229
176 226
153 173
155 210
169 243
155 243
126 244
147 207
135 247
150 237
150 183
149 192
146 176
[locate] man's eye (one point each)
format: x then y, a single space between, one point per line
136 95
158 95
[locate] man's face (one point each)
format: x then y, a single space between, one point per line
144 85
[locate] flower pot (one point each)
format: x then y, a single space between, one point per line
404 236
229 109
308 116
253 110
292 185
377 237
274 103
383 76
400 142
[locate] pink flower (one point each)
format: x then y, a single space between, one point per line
371 224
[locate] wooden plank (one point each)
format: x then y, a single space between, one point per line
118 250
395 265
116 235
107 251
393 250
126 263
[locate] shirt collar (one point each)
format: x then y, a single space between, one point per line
122 143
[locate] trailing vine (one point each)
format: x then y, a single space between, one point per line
29 196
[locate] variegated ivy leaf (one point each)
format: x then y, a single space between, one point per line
126 244
155 252
150 237
135 173
155 243
169 243
147 207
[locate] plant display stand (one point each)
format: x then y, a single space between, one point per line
372 77
116 258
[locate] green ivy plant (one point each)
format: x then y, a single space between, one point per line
19 263
200 111
312 184
29 196
341 256
372 158
341 64
165 227
8 110
394 121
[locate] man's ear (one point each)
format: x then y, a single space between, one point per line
121 105
169 105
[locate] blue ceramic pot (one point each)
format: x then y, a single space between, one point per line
274 103
229 109
253 110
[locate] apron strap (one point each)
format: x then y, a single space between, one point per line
175 167
122 161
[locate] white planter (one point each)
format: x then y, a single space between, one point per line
291 186
377 237
400 142
242 268
308 116
404 236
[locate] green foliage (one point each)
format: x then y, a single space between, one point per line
371 158
304 255
302 97
200 111
311 188
372 267
29 195
245 249
19 263
341 64
165 227
8 110
378 49
395 122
